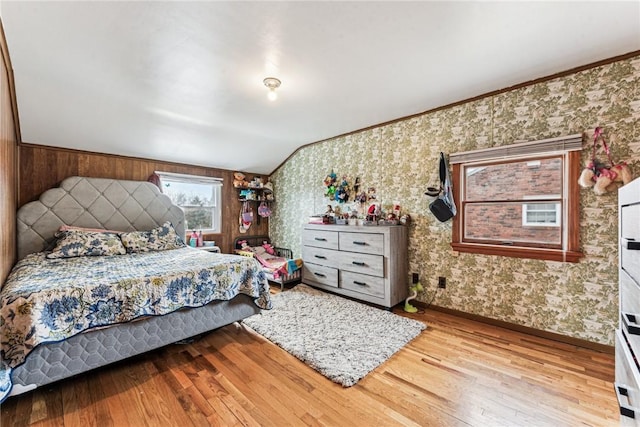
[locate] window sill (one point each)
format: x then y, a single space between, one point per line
518 252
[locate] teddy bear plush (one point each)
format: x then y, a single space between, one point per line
604 179
598 175
239 180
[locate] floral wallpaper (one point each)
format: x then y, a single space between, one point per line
400 160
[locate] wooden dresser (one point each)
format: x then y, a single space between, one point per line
364 262
628 335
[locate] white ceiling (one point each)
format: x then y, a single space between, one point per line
182 81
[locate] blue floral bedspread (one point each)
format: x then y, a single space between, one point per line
50 300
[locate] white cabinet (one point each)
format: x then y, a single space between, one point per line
363 262
628 335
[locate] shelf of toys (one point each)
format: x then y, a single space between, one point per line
254 192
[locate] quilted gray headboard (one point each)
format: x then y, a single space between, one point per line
96 203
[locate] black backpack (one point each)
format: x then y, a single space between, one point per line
443 207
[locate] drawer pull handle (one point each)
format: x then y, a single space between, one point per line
321 239
320 275
320 257
630 323
633 245
359 283
359 243
359 263
625 411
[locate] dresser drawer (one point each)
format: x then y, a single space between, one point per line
320 239
630 311
320 274
372 265
630 258
629 294
627 383
321 256
366 243
631 328
630 222
630 240
362 283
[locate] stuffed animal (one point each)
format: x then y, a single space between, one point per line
599 176
342 193
604 179
373 212
371 194
330 184
239 180
244 246
269 248
588 176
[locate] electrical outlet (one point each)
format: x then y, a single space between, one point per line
415 278
442 282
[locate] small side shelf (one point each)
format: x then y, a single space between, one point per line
249 194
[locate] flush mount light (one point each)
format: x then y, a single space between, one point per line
272 84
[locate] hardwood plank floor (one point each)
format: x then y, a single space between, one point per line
456 373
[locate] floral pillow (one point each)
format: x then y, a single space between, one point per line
97 230
75 243
159 239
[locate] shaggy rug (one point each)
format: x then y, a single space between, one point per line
342 339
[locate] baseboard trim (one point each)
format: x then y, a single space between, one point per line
607 349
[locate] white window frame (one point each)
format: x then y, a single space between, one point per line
527 223
216 196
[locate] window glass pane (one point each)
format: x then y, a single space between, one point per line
198 218
541 214
526 179
188 194
503 222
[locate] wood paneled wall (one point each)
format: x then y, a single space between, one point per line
9 136
44 167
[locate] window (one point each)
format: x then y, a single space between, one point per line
541 214
519 200
198 196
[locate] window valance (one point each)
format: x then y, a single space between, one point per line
560 144
191 179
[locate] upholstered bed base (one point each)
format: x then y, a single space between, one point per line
92 349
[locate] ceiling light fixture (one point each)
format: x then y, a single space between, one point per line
272 84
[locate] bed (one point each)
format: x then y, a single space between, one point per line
277 263
143 298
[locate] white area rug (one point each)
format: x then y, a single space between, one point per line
342 339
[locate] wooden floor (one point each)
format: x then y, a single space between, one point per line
456 373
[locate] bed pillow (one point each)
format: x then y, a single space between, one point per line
159 239
75 243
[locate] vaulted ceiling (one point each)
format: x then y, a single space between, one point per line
182 81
